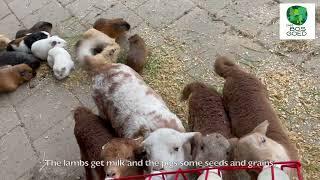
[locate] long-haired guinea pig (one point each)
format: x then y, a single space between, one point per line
39 26
114 28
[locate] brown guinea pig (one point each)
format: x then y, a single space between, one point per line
137 53
114 28
11 77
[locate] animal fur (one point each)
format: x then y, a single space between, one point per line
248 106
11 77
123 97
168 145
14 58
92 44
137 53
4 41
206 110
98 142
114 28
60 61
41 48
207 115
24 44
39 26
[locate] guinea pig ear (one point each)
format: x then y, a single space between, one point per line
262 128
112 51
53 43
26 75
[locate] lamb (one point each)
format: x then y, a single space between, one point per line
98 142
41 48
248 106
60 61
24 44
137 53
15 58
92 43
132 106
39 26
135 109
4 41
207 115
11 77
114 28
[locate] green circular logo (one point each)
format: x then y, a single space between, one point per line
297 15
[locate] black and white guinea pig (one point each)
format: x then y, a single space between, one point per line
14 58
24 44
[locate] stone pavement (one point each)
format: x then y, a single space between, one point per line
36 120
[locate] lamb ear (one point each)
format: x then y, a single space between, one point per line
262 128
195 143
189 136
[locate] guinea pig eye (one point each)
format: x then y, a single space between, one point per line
202 147
176 149
263 140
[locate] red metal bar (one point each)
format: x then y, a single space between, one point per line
289 164
272 172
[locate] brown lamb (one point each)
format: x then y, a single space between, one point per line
11 77
137 55
98 142
207 115
114 28
253 119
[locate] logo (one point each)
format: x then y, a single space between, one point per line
297 21
297 15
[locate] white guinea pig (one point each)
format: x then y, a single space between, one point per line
60 61
41 48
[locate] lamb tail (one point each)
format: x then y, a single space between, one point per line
223 66
188 89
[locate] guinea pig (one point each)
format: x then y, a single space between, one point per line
114 28
137 54
24 44
60 61
14 58
11 77
4 41
41 48
39 26
93 43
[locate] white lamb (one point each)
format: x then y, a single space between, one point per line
60 61
41 48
